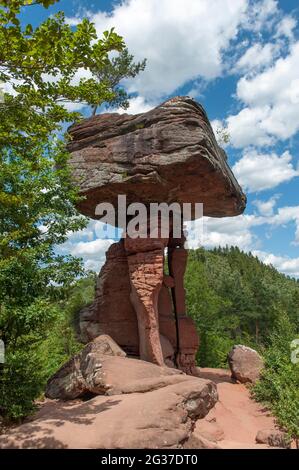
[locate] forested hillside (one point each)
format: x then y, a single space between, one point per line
234 297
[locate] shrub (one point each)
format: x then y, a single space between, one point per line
39 339
278 387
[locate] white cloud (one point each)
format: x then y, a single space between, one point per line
266 208
256 57
257 172
90 248
72 106
270 86
137 105
286 27
73 21
230 231
271 101
89 244
247 127
261 14
284 216
237 231
93 252
284 264
181 40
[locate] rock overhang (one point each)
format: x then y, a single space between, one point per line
168 154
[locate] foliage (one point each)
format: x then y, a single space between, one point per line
61 342
278 387
234 298
46 339
41 68
22 373
116 70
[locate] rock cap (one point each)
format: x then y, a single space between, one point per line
168 154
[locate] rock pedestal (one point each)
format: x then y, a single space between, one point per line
142 308
168 155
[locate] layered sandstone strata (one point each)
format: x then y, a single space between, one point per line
168 155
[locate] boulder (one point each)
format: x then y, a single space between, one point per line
101 368
273 438
168 154
154 408
104 345
78 376
245 364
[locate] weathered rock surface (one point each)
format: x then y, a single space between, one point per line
168 154
154 419
112 312
82 373
132 282
273 438
106 371
209 430
161 417
146 264
245 364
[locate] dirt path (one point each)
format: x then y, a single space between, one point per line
236 418
115 421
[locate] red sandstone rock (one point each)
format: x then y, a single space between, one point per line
93 372
146 276
209 430
84 372
273 438
116 421
245 364
151 407
167 351
168 154
112 312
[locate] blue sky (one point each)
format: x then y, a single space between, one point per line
240 59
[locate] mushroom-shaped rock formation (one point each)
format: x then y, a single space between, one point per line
168 155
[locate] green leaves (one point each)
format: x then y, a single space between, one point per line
234 299
279 384
43 68
40 66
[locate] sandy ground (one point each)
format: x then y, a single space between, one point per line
232 424
236 414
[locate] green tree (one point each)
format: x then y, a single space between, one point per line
234 298
278 387
41 67
113 72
